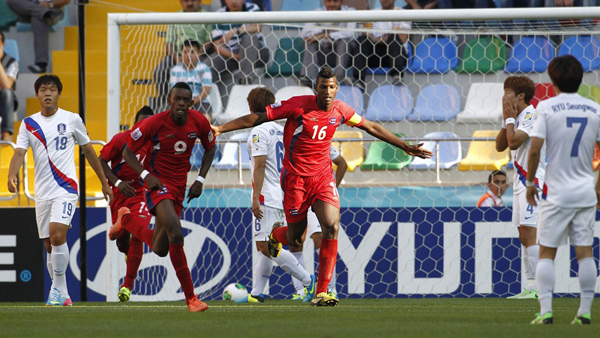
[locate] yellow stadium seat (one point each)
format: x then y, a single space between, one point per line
482 155
353 152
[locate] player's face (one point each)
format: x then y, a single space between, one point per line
333 5
48 95
512 97
181 101
326 90
234 5
190 5
190 56
498 185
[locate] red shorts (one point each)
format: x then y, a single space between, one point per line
168 192
136 204
301 192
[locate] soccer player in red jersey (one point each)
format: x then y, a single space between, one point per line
307 178
169 138
129 204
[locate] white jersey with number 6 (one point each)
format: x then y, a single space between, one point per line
267 140
570 125
52 140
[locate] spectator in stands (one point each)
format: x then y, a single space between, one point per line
466 4
176 35
196 74
263 5
521 3
239 46
42 14
381 49
9 70
421 4
497 186
329 46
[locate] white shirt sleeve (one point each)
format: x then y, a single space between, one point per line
260 143
23 137
13 70
527 122
334 153
80 133
539 124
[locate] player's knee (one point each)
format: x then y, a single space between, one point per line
161 252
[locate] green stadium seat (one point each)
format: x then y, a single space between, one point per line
382 156
7 16
288 58
484 54
589 91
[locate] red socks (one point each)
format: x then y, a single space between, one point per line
183 272
138 227
279 235
134 258
327 258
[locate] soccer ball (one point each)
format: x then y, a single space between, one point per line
234 291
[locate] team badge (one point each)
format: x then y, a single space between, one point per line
255 138
293 211
272 131
332 120
193 135
276 105
136 134
62 128
211 137
528 116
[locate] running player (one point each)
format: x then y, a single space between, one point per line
570 125
52 134
519 116
129 204
307 178
169 138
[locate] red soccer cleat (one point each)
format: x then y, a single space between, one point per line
196 305
117 229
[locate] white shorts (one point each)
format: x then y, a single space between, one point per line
58 210
312 225
556 223
523 213
261 228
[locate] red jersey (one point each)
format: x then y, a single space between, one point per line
113 152
308 132
169 146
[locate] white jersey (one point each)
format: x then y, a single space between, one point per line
524 123
570 124
267 140
52 140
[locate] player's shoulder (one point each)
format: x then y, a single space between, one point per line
528 114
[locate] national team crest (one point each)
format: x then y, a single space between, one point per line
255 138
62 128
193 135
332 120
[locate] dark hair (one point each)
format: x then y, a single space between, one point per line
566 73
494 173
180 85
2 36
259 98
192 43
521 84
144 111
48 79
326 72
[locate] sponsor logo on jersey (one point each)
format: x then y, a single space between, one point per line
211 137
313 119
332 120
293 211
136 134
62 128
193 135
255 138
170 136
276 105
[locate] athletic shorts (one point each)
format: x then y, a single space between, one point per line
301 192
58 210
523 213
168 192
557 223
136 204
313 226
261 228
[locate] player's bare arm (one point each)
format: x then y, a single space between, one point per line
15 164
532 165
124 187
380 132
152 181
260 165
342 167
246 121
92 159
501 142
207 159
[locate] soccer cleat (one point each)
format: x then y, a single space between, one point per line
333 294
545 319
584 319
297 296
124 294
117 229
309 291
56 299
324 299
251 299
273 245
195 305
525 295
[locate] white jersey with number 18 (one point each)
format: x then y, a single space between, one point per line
570 125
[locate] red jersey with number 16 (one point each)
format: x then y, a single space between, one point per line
308 132
169 146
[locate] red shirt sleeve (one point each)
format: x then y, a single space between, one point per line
143 133
351 118
205 133
285 109
114 148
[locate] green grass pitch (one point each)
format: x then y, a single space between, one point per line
480 318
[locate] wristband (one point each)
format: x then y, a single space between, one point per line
200 179
530 183
116 185
510 120
144 174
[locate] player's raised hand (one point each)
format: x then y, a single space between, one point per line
216 130
108 193
195 191
532 196
126 189
153 182
13 184
256 208
416 150
509 109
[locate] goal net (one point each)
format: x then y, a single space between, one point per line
409 227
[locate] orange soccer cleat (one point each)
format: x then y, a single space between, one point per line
117 229
195 305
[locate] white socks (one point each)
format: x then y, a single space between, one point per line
298 284
587 283
290 264
545 284
60 261
49 265
261 273
531 256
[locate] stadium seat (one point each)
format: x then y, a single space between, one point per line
589 91
434 55
198 152
389 103
353 97
7 16
300 5
438 102
482 55
482 155
237 105
382 156
287 59
353 152
542 92
26 26
531 54
484 104
450 152
229 156
288 92
12 48
585 48
215 100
